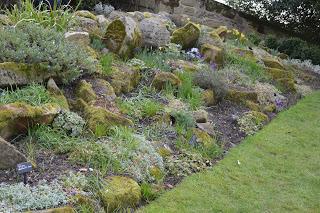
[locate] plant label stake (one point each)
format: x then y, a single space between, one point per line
24 168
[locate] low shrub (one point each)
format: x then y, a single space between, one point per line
33 94
20 197
295 47
33 44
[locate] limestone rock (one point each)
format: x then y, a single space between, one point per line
207 127
154 33
186 36
120 193
16 118
81 38
213 54
124 78
162 78
86 24
9 155
123 36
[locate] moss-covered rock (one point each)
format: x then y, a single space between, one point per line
208 36
186 36
57 94
208 98
161 79
272 63
276 73
99 117
213 54
17 118
120 193
123 36
245 53
124 78
183 65
85 14
203 138
252 105
81 38
286 84
85 92
221 32
241 96
12 73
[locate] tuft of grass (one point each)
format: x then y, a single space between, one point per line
188 92
54 139
249 67
106 64
148 192
57 17
276 170
33 94
158 59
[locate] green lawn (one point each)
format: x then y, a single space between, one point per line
279 171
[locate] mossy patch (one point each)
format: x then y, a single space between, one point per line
213 54
85 92
161 79
186 36
120 193
241 96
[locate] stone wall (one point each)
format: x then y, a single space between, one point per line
208 12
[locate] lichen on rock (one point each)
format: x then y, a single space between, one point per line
186 36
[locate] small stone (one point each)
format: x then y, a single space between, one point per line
9 155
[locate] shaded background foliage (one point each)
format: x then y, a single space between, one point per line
298 16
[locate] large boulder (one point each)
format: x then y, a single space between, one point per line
9 155
154 32
16 118
123 35
81 38
120 193
208 36
186 36
18 74
239 95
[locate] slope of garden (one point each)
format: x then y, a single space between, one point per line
276 170
113 108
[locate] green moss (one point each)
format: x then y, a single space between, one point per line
240 96
221 31
124 79
156 173
213 54
272 63
203 138
115 35
286 84
252 105
120 193
276 73
85 92
17 117
85 14
161 79
208 98
186 36
100 117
